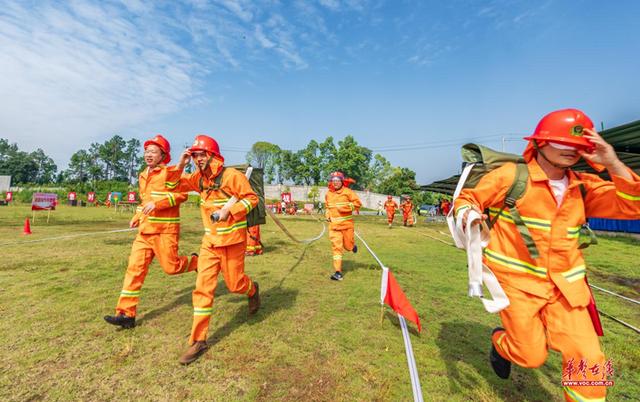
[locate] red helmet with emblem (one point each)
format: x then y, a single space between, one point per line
161 142
206 144
337 174
564 126
389 197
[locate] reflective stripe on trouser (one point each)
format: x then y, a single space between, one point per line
340 240
164 246
533 323
229 260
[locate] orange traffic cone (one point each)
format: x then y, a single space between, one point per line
27 227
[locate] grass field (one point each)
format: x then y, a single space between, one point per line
312 340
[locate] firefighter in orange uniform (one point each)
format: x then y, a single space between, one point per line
158 221
549 296
254 245
407 211
341 204
226 199
390 206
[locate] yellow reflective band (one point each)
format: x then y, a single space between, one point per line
247 205
573 394
138 209
531 223
251 248
573 232
342 218
218 202
207 230
515 264
337 257
129 293
574 274
202 311
172 200
171 184
232 228
627 196
155 219
462 208
159 193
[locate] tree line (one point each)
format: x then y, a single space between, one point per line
121 160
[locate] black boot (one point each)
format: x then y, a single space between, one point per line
355 248
500 365
121 320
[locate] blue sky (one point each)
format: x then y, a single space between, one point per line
411 80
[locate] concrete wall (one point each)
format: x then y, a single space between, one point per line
5 183
301 193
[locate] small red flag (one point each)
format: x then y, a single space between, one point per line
392 294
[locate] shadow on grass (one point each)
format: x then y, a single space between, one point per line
393 318
273 245
469 342
272 300
184 297
349 266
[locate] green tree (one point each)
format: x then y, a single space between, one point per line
46 169
265 155
112 155
134 159
401 181
353 160
79 166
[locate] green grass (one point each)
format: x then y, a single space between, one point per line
313 339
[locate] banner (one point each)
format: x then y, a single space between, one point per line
115 197
131 196
9 196
286 197
44 201
72 196
91 197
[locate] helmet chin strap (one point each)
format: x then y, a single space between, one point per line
535 146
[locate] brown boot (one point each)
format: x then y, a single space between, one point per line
254 301
194 351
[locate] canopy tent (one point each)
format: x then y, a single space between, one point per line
625 140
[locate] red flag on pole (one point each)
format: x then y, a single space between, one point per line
392 294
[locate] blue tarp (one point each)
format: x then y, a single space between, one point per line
615 225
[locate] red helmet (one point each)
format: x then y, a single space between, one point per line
339 175
565 127
389 197
162 142
207 144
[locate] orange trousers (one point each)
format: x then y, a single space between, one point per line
390 216
407 218
340 240
164 246
229 260
534 324
254 246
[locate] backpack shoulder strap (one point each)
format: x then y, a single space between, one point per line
515 192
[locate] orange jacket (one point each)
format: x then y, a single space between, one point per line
234 183
340 206
554 230
407 207
390 206
153 185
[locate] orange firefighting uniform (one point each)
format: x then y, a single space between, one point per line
390 206
548 295
157 235
340 206
407 212
254 246
224 242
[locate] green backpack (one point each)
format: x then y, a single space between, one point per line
485 160
257 215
